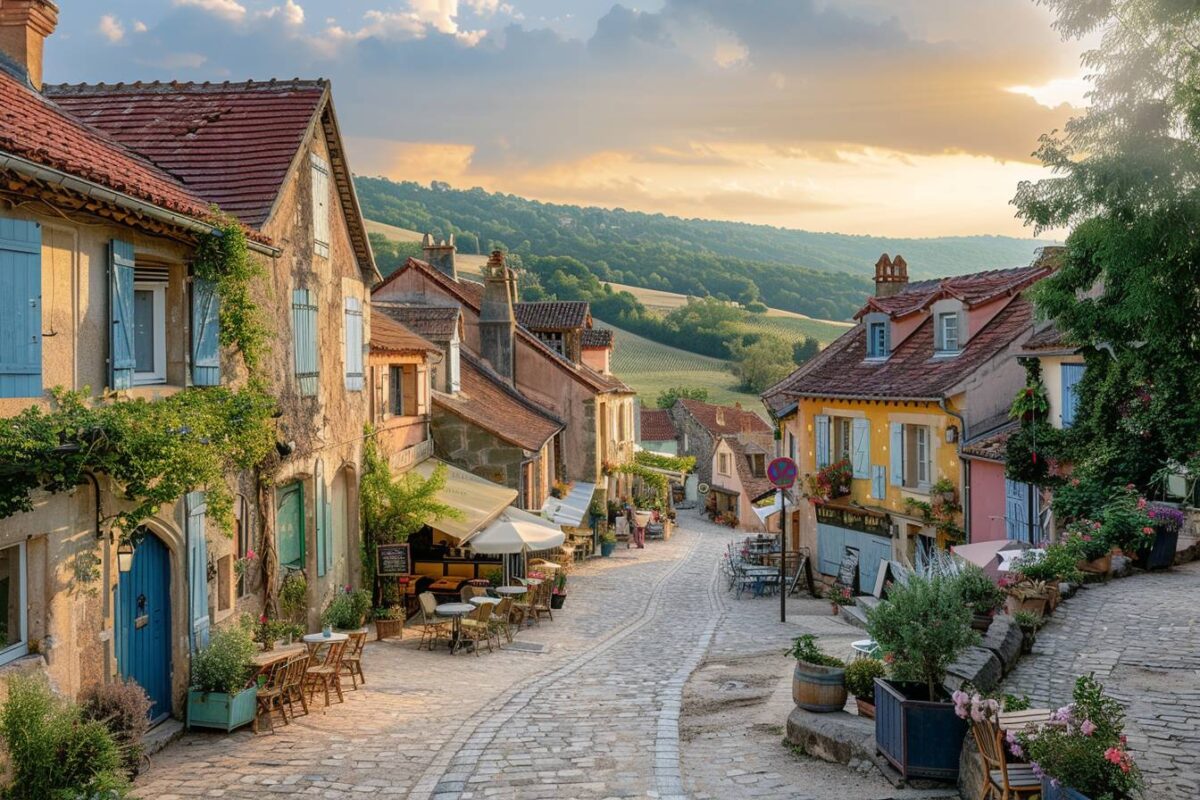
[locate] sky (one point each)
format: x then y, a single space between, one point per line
887 117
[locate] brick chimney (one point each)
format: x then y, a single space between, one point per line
497 323
440 255
890 276
24 26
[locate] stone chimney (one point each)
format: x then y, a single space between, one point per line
497 323
890 276
440 255
24 26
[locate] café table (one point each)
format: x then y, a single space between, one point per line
761 576
315 641
865 648
510 591
455 611
1018 721
483 600
265 659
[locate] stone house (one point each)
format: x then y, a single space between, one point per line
700 425
739 483
559 324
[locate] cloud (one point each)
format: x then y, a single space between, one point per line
290 12
139 26
111 29
228 9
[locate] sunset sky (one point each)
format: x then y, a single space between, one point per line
891 117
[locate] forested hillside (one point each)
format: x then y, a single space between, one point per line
824 275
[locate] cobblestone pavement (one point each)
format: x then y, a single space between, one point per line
1140 637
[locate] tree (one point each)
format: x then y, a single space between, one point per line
805 349
667 397
761 364
1127 178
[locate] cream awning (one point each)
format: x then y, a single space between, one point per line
516 531
480 501
569 511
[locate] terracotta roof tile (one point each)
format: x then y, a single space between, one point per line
389 336
973 289
991 445
724 420
657 425
486 401
553 315
435 322
600 338
1048 338
753 487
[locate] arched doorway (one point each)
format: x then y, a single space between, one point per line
143 625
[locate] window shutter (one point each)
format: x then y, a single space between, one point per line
327 512
821 426
409 389
422 390
320 206
1072 374
304 333
319 515
1016 518
121 358
860 448
197 509
896 450
878 481
206 344
20 308
354 344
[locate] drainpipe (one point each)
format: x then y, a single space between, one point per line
962 465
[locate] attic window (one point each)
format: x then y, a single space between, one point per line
947 332
877 340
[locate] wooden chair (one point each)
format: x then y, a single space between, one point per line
328 673
433 628
293 683
271 696
501 621
476 627
541 601
468 591
1004 780
523 606
352 659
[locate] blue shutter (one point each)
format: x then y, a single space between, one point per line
206 327
1016 514
354 345
20 308
887 338
860 448
319 516
121 357
878 481
1072 374
304 336
896 445
821 425
197 568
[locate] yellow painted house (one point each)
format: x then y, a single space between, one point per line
894 398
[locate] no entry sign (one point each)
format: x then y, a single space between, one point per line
782 473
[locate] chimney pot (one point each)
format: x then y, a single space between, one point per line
439 254
497 322
890 275
24 26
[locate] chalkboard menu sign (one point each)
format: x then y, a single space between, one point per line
848 571
393 559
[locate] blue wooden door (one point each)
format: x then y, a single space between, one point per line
144 623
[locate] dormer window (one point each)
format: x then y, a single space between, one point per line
947 331
879 336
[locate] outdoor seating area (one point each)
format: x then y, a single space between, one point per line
291 678
751 566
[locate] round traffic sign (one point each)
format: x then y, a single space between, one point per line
782 473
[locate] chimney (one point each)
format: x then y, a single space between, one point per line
24 26
440 254
890 276
721 417
497 324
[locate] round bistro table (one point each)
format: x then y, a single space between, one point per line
455 611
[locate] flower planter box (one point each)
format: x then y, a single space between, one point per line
557 600
817 688
921 739
1097 566
389 628
1052 792
1034 605
220 710
607 548
1162 553
981 622
866 709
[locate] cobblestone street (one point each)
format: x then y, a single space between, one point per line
1144 646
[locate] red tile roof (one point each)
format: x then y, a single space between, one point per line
435 322
657 425
553 315
1048 338
598 338
389 336
38 130
232 144
753 487
486 401
724 420
993 444
973 290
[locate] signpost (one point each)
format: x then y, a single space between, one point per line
782 473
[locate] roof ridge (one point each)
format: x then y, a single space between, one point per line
272 84
485 369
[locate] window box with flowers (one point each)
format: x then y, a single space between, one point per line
831 482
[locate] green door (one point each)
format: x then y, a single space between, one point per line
289 525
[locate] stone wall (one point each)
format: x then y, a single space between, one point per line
479 452
698 440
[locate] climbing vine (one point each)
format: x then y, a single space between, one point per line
1033 450
224 258
661 461
654 480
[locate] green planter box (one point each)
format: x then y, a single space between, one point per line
222 711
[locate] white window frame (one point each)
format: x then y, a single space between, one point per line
19 648
843 439
159 293
943 337
455 365
923 455
723 463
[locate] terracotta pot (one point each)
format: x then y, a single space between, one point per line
1034 605
1097 566
866 708
1053 595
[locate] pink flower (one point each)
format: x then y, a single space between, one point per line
250 555
1088 727
1148 530
263 619
1112 755
1086 537
1074 481
1141 502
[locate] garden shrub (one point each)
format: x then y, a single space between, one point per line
804 648
978 591
861 675
348 609
124 709
224 666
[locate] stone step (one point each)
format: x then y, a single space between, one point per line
856 615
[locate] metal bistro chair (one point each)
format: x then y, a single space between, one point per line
1004 780
433 628
352 659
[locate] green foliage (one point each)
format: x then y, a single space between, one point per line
756 307
922 626
1027 621
391 254
667 397
977 591
804 648
124 709
762 364
348 609
1124 522
224 258
805 349
860 677
672 463
655 481
54 753
225 665
1054 565
1032 450
293 594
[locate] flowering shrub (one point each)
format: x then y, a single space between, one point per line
242 565
1125 522
841 596
975 707
831 481
1083 536
1168 518
977 590
1083 747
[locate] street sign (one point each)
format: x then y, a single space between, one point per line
782 473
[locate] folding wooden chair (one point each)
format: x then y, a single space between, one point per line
270 696
352 659
328 673
1004 780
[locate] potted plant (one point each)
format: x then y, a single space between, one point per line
266 631
921 628
1082 753
840 596
1093 553
830 482
1167 521
347 611
389 622
819 680
1029 624
608 543
558 595
222 694
1025 594
860 682
980 594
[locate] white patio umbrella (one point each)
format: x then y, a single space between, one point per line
516 531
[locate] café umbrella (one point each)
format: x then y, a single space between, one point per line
516 531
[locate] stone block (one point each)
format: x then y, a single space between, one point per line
1003 638
838 737
971 780
976 666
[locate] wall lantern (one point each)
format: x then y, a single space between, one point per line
951 434
125 556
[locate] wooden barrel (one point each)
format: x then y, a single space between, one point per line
818 688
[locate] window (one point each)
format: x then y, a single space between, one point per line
791 446
14 634
149 332
455 366
948 332
289 525
1072 374
304 341
354 345
877 340
723 463
243 533
402 386
758 465
912 462
320 206
842 433
553 340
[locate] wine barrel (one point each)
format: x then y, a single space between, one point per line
818 688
